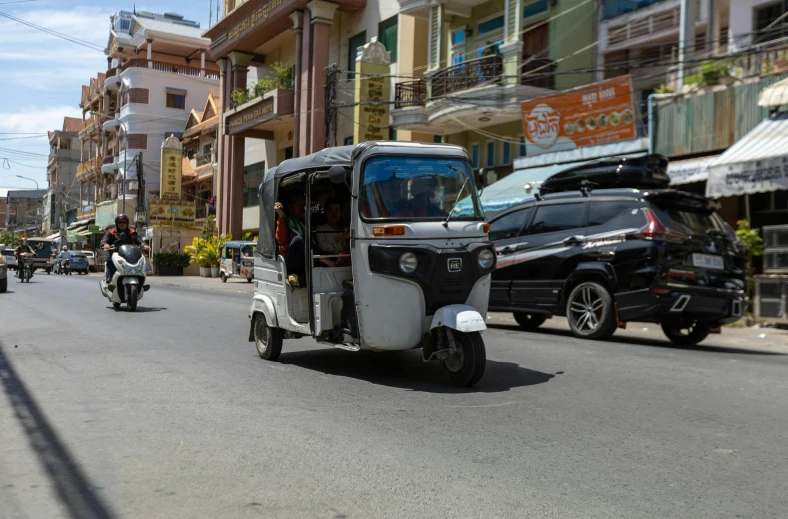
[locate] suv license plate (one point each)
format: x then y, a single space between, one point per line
708 261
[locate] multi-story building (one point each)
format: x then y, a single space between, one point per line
467 66
282 50
25 210
4 207
159 68
62 200
200 147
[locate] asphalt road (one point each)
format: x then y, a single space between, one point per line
170 413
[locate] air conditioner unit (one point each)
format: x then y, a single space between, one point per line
775 249
771 295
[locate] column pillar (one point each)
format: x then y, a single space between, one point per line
202 64
233 195
150 53
298 29
221 179
304 87
321 20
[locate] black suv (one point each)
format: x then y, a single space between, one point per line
601 252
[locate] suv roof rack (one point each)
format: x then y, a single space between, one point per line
650 171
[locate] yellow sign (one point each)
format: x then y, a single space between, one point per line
261 13
371 113
168 212
171 169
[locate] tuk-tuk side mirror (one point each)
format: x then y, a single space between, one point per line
481 180
337 175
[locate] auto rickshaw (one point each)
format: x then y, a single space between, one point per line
237 260
418 276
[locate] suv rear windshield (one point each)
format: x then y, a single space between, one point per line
686 220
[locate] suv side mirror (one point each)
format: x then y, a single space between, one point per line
337 175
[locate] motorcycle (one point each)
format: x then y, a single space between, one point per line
128 279
63 267
25 267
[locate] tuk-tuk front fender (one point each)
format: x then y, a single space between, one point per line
463 318
262 304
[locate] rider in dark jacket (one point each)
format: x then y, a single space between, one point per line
119 235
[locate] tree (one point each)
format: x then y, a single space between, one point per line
753 244
9 239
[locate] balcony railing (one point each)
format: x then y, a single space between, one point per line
538 72
88 166
410 93
89 122
201 212
172 68
204 159
613 8
468 74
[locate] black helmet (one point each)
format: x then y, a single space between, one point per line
121 218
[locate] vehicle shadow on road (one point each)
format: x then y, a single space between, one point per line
645 342
406 370
140 309
72 486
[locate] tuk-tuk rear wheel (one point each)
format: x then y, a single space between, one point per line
267 340
467 366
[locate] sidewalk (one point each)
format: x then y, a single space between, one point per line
771 340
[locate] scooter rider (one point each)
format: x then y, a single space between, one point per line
23 248
121 234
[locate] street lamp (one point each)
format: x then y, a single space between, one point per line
125 154
42 203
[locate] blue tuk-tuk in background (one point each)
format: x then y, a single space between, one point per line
237 260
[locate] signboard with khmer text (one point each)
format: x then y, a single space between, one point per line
171 212
599 113
171 169
373 64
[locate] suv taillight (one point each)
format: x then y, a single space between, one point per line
655 230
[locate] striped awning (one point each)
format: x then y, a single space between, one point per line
757 163
774 95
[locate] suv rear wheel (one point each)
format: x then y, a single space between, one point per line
590 312
529 322
686 333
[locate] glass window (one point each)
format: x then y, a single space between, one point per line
253 177
507 153
359 40
392 133
522 145
491 25
437 139
175 100
458 37
475 156
556 218
457 58
490 154
480 52
510 225
538 7
686 220
416 188
388 36
125 25
348 140
599 213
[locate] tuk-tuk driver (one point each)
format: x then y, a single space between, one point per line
290 232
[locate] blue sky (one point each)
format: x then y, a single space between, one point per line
41 76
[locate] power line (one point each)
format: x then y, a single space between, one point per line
66 37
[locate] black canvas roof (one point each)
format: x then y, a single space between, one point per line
341 155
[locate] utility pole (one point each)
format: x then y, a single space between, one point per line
331 73
140 193
686 38
61 211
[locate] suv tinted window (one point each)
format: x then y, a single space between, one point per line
686 220
599 213
560 217
510 225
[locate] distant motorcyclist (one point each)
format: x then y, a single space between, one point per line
119 235
23 248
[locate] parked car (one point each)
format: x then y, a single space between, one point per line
79 262
606 256
91 256
10 259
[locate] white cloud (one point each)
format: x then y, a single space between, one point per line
36 119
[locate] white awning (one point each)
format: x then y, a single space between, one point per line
757 163
688 171
774 95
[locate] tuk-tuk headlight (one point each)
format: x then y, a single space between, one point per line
486 259
408 262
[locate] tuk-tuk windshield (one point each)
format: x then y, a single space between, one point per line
416 188
247 251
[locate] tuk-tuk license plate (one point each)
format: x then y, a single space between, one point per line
708 261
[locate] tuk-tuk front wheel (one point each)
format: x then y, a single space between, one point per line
267 340
466 366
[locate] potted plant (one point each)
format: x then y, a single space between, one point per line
170 263
196 252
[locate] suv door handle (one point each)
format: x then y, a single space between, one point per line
506 250
574 240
